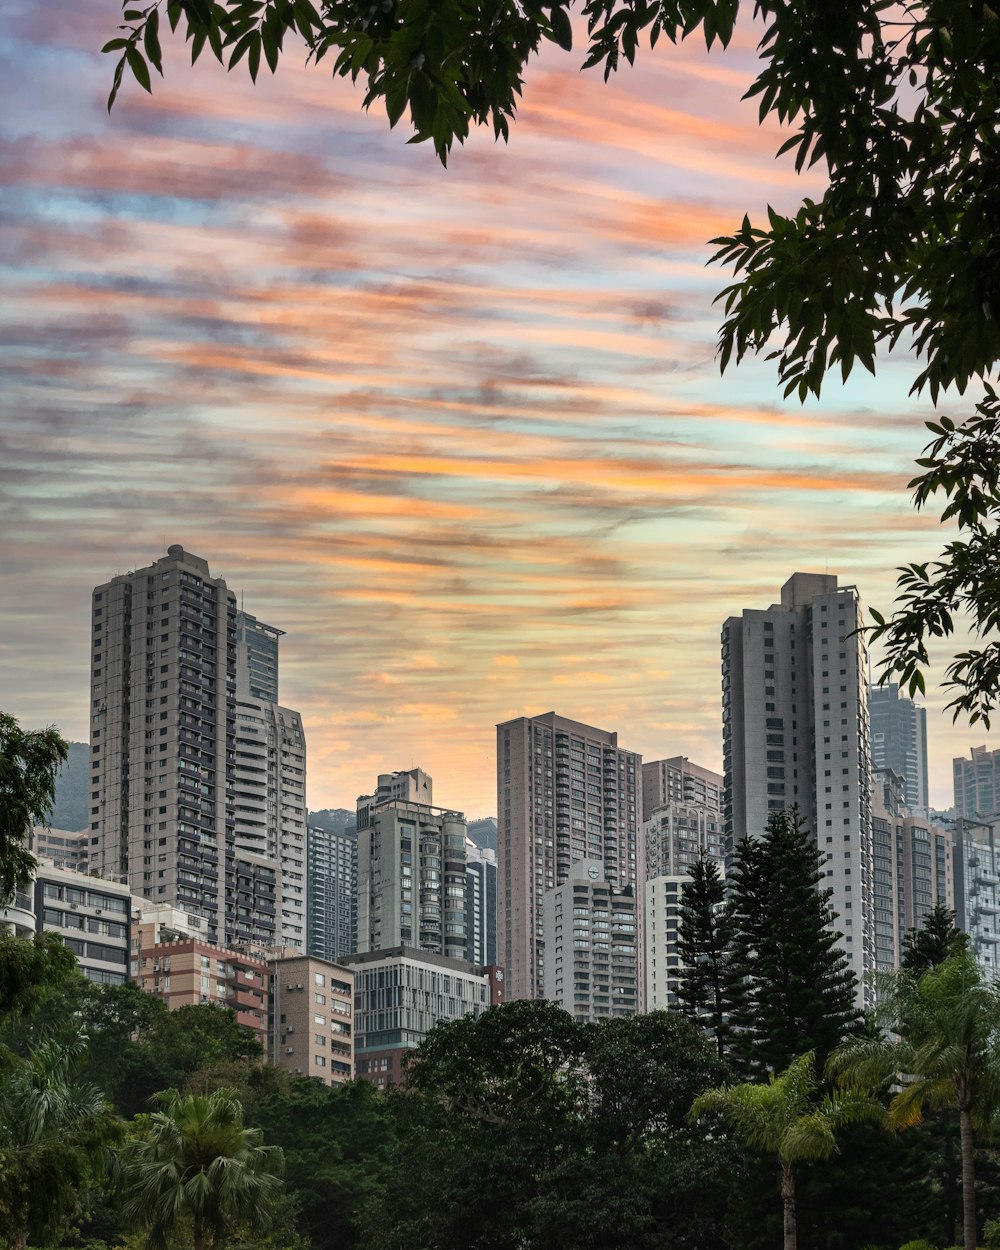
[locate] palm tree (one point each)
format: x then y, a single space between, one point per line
56 1136
939 1040
195 1160
786 1118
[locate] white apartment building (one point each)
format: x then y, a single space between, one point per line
592 942
795 734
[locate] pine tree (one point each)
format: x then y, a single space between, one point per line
931 944
705 947
797 988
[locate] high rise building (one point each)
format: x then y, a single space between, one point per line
913 868
411 879
678 833
977 889
481 904
977 784
412 786
591 945
332 872
677 780
64 847
270 793
257 658
170 811
899 741
565 792
795 734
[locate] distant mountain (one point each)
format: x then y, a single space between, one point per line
335 819
70 808
484 833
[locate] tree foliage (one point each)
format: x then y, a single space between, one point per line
789 1119
940 1045
792 985
704 947
196 1160
931 944
56 1135
32 970
29 762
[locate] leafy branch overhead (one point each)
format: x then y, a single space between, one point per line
961 463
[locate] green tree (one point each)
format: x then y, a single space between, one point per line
941 1044
31 970
793 987
56 1135
786 1118
337 1141
931 944
195 1160
29 762
705 950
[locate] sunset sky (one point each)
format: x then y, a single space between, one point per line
460 433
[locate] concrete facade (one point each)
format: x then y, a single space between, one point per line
311 1006
677 780
592 944
481 904
977 889
977 784
270 798
662 963
565 792
899 741
165 745
184 970
411 785
913 868
332 874
63 847
795 734
677 833
412 879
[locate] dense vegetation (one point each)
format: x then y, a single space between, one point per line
524 1128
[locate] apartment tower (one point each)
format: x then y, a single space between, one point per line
197 792
566 792
899 742
977 784
332 870
795 734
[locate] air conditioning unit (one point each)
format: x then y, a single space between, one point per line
74 906
290 1030
98 912
289 1050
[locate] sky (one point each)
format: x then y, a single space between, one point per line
461 434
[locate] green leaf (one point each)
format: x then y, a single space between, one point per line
138 67
562 29
151 41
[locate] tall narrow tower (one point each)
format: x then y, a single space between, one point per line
163 691
566 792
795 734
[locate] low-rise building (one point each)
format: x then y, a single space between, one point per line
183 969
63 847
311 1006
400 995
591 944
91 915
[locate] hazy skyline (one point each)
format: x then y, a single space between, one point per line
460 433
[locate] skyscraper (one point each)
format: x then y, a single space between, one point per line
481 904
412 785
565 792
977 784
411 879
191 805
677 780
257 658
899 741
332 872
795 734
